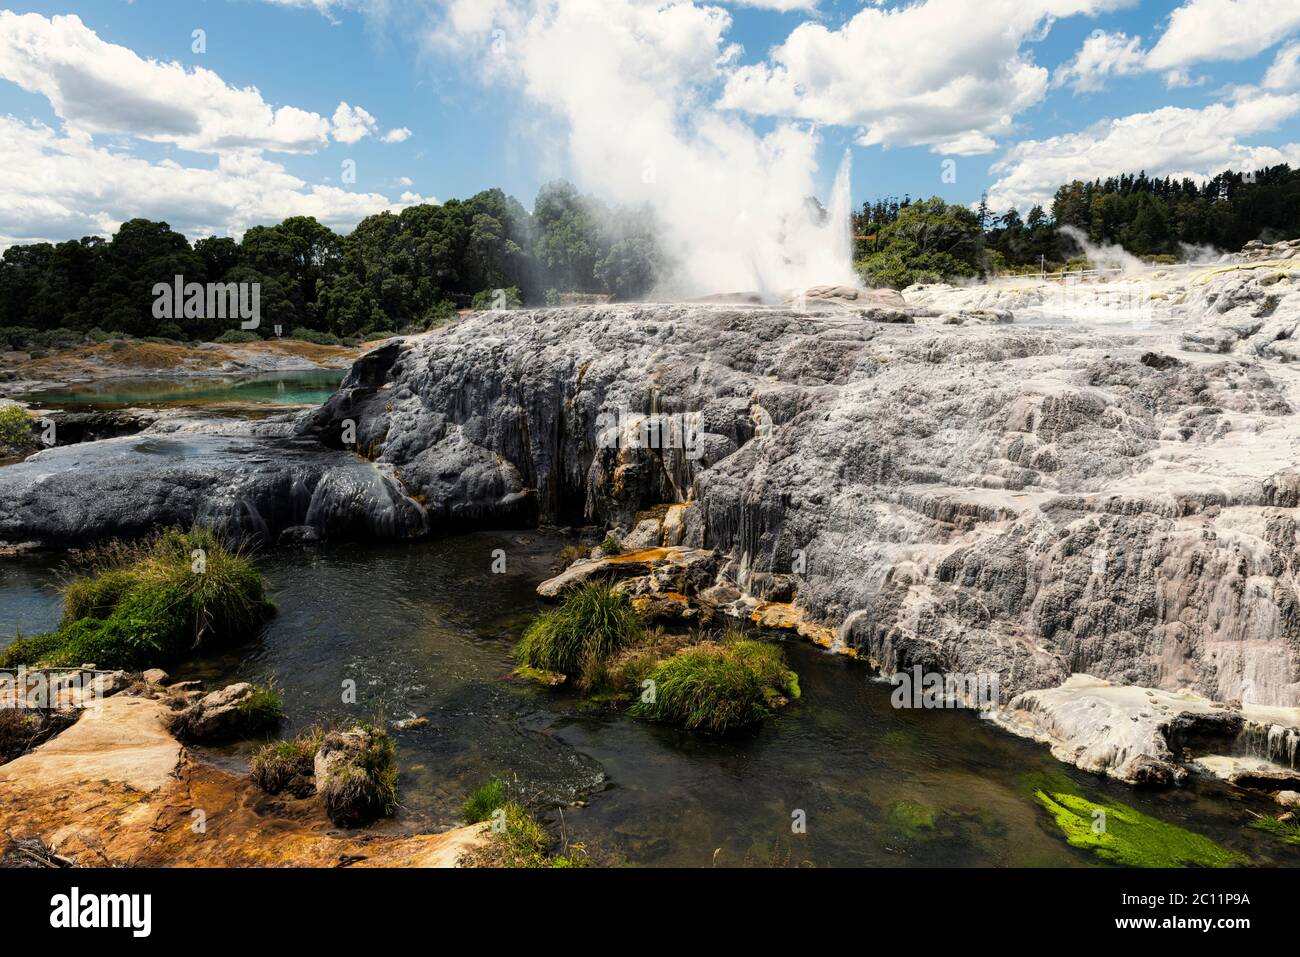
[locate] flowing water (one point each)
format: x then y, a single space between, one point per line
425 630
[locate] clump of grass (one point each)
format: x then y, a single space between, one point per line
17 430
483 800
611 545
362 781
520 841
1123 835
147 604
718 686
1288 831
579 636
288 765
263 709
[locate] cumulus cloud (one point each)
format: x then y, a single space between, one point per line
1171 141
101 87
874 71
1102 55
83 189
1202 30
1284 73
352 123
399 135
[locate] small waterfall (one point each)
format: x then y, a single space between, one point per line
1272 742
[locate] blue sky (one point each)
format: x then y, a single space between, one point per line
113 135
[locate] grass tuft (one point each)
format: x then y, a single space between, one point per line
718 686
579 636
288 764
147 604
484 799
520 841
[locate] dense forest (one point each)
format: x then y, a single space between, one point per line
409 270
394 272
1163 220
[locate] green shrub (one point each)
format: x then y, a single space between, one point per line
313 336
237 336
485 799
581 634
17 429
148 604
611 545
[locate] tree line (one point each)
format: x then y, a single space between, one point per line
1164 220
409 270
393 272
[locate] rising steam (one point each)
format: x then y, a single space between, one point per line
630 88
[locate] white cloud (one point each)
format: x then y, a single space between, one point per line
1202 30
83 189
929 72
99 87
781 6
352 123
1284 74
399 135
968 144
1170 141
1102 55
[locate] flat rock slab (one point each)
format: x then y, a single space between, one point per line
123 742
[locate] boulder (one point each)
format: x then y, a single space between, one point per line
350 775
223 715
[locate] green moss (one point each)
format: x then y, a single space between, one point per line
1119 834
485 799
152 603
912 818
579 636
548 679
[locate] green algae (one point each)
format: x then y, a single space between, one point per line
913 819
1119 834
